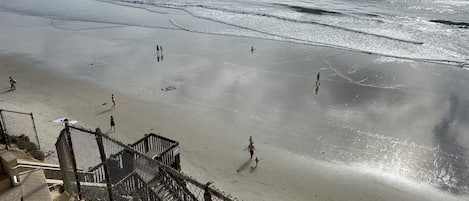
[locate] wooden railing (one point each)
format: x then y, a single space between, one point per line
159 148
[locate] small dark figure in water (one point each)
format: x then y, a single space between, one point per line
317 80
317 89
252 49
157 48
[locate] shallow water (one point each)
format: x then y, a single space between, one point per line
424 30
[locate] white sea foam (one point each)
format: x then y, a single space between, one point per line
365 26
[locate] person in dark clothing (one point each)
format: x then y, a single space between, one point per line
113 124
251 149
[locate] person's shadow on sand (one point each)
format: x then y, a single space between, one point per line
243 166
252 169
104 111
4 92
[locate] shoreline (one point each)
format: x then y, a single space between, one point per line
210 151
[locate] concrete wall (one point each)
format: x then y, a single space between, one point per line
8 161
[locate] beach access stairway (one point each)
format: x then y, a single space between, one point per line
129 172
139 180
159 148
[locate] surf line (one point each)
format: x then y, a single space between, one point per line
293 20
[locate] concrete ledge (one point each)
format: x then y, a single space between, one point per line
5 182
12 194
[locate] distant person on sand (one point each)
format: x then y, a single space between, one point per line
113 124
157 48
113 101
251 149
12 84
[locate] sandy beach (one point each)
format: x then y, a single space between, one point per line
224 94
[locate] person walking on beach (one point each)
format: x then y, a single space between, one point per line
113 101
113 124
251 149
12 84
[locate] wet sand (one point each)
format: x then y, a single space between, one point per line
224 94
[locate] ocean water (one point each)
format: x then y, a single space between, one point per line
430 30
402 119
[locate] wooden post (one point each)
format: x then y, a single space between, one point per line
145 142
99 140
74 162
176 154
